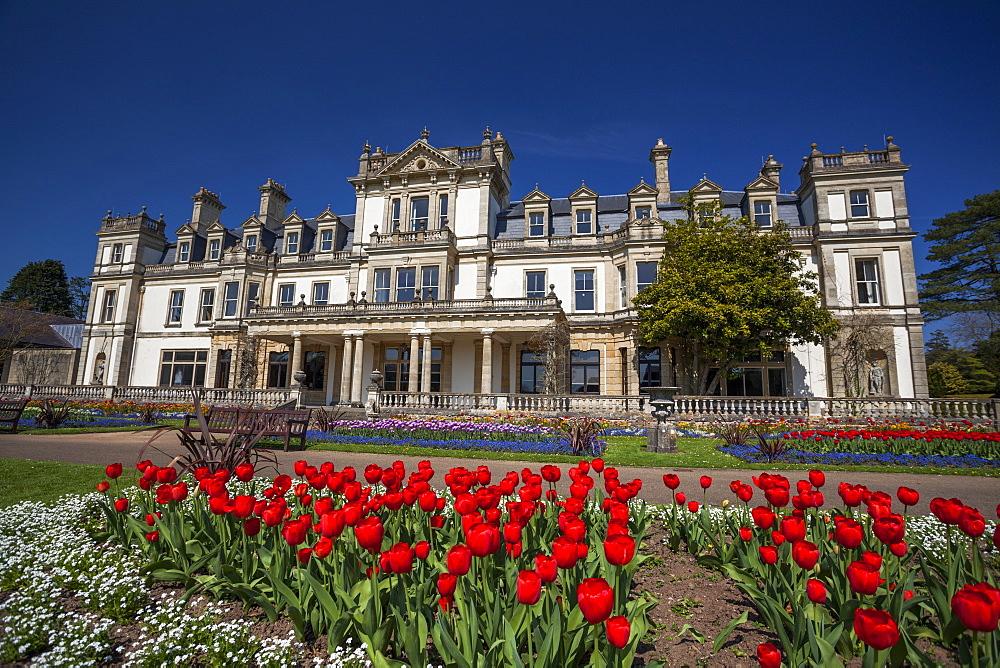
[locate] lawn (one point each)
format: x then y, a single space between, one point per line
28 480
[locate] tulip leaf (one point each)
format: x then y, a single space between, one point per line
721 639
698 635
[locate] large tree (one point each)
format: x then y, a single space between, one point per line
730 289
44 285
967 245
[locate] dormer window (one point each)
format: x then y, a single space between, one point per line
214 248
184 252
117 253
584 221
762 213
418 213
536 224
292 243
251 243
643 212
326 240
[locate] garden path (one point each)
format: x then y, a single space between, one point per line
104 448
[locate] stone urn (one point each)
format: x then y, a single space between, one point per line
300 377
662 437
376 378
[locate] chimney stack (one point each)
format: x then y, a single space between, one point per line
659 155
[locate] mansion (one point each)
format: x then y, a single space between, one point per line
440 279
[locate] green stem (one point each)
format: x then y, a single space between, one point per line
975 649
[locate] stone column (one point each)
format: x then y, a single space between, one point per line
487 383
345 369
505 367
357 370
413 378
631 370
425 382
295 359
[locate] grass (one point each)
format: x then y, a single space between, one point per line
29 480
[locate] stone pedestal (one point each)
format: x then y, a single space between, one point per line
662 437
373 401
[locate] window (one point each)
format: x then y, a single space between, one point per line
184 252
532 373
326 240
395 214
859 204
583 222
585 371
117 253
253 293
418 213
622 287
286 294
406 283
321 294
230 299
396 367
867 273
176 307
214 248
429 282
756 377
277 369
292 243
534 287
443 212
183 368
251 243
649 367
583 294
643 212
223 364
536 224
315 368
645 275
762 213
706 212
382 285
207 305
108 311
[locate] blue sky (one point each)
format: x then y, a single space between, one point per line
116 105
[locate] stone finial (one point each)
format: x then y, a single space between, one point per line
889 145
487 135
499 136
144 208
425 133
659 142
815 151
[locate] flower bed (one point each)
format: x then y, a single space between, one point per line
750 453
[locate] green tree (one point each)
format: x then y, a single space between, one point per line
967 244
44 284
79 292
730 290
943 379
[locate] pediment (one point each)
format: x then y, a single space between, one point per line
293 219
186 228
252 222
535 196
215 228
706 185
642 189
583 192
418 157
328 217
762 183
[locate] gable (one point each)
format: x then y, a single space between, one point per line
215 227
762 183
251 223
536 195
293 219
583 192
186 228
418 157
643 189
327 217
706 186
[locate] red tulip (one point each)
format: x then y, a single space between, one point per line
763 517
153 536
113 471
693 506
977 607
244 472
546 568
873 558
446 584
294 532
251 527
618 629
898 549
817 478
459 559
971 522
805 554
565 552
671 481
996 537
121 505
746 535
619 550
777 496
304 554
680 498
369 533
422 549
596 599
848 533
816 591
769 554
889 529
949 511
863 577
851 494
907 496
793 528
103 486
769 655
744 493
706 481
777 537
529 587
483 539
401 557
597 465
876 628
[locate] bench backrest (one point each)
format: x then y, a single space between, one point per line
277 420
10 409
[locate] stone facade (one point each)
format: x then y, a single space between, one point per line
437 264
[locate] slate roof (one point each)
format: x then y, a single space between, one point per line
42 330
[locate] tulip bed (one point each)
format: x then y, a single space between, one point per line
491 572
838 584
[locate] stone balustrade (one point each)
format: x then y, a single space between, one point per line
152 395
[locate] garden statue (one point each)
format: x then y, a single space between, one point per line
98 373
876 379
372 403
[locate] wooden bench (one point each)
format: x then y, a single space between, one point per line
10 413
279 423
